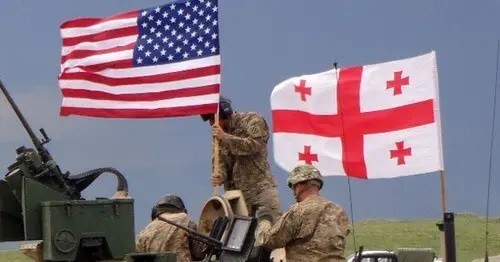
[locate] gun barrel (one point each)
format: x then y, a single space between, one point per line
30 132
197 236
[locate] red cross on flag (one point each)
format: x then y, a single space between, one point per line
373 121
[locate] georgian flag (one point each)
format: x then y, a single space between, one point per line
373 121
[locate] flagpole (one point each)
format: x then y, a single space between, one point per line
216 154
335 66
443 191
486 232
352 214
447 226
443 206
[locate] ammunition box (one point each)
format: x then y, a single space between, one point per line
103 227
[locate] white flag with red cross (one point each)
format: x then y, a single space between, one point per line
373 121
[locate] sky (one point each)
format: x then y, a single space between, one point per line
263 43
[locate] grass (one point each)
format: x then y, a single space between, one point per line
389 235
13 256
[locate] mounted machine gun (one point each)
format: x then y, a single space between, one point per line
40 202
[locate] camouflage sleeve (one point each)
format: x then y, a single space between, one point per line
283 231
196 248
257 134
139 247
342 230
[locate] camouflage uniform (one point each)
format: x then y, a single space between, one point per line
243 162
312 230
159 236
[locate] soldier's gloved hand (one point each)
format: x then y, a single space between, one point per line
264 213
217 180
219 132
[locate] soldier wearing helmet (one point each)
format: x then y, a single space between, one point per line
243 163
160 236
313 229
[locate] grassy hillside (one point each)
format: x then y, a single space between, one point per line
389 235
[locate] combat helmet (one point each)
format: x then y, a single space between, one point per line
304 173
225 110
169 200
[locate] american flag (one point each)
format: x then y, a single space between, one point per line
158 62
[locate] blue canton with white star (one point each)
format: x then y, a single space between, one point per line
176 32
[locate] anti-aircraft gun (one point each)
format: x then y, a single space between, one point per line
40 202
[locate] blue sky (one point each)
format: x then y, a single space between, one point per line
262 43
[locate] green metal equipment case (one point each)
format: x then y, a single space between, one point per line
104 227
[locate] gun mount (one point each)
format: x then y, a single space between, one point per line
40 202
231 239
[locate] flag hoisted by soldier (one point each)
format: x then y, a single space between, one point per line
243 163
313 229
160 236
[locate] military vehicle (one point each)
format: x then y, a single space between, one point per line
40 202
400 255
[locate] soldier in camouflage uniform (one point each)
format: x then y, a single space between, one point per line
313 229
159 236
243 161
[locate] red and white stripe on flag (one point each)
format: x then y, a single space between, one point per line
373 121
157 62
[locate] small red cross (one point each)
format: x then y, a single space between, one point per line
398 82
307 156
303 90
400 152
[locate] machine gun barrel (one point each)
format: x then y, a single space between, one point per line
36 142
196 235
42 151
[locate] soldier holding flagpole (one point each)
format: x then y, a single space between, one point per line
242 162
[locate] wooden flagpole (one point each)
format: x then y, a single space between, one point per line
440 137
442 173
443 191
443 204
216 154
